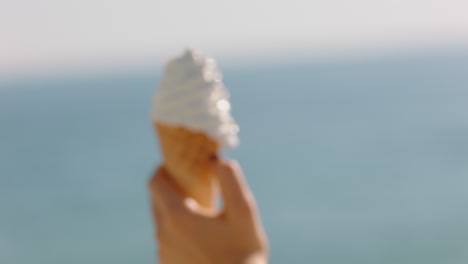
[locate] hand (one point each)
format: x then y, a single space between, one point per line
190 234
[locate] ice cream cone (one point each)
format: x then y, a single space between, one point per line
187 155
192 116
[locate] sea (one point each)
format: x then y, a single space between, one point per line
363 161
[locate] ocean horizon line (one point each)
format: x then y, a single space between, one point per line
155 64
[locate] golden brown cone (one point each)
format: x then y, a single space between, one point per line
187 155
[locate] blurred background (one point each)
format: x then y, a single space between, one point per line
353 115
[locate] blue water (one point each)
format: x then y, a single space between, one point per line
363 161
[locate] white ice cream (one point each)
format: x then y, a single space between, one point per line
192 95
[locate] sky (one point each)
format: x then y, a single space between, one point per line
50 34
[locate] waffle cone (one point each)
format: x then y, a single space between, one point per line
187 157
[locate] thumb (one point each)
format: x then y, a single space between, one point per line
237 196
170 202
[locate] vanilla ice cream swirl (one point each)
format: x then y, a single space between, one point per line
193 95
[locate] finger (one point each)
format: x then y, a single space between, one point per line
165 195
237 196
155 203
171 207
201 211
151 186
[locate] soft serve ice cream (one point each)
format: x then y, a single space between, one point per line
192 95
